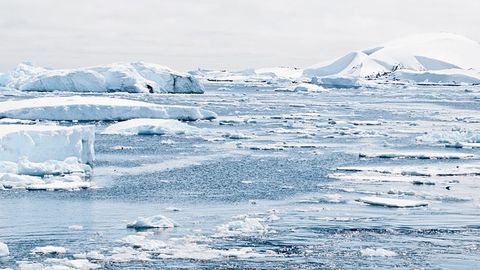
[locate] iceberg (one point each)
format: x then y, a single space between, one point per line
41 143
91 108
424 59
137 77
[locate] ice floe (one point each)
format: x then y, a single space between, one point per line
121 77
391 202
157 221
83 108
146 126
4 250
377 252
243 226
49 250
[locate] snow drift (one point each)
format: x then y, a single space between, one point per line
436 58
120 77
96 109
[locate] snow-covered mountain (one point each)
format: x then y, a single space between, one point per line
437 58
119 77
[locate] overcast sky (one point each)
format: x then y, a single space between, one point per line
186 34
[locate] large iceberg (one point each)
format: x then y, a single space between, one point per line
120 77
434 58
96 109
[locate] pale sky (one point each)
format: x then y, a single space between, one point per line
187 34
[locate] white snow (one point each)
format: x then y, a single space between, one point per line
125 77
49 250
377 252
40 143
4 250
391 202
438 58
157 221
96 109
145 126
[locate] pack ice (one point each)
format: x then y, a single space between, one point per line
84 108
433 58
119 77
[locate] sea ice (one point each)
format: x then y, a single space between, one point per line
82 108
4 250
392 202
144 126
49 250
157 221
377 252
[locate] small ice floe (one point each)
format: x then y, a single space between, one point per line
377 252
241 227
121 147
4 251
391 202
308 87
401 154
49 250
75 227
157 221
236 136
365 123
246 182
328 198
145 126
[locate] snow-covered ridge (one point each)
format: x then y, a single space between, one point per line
434 58
119 77
96 109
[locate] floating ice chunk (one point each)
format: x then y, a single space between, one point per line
416 155
378 252
75 227
97 109
145 126
4 250
49 250
309 87
157 221
245 226
40 143
391 202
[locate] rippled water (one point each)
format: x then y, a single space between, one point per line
288 176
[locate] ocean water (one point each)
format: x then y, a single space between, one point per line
285 196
